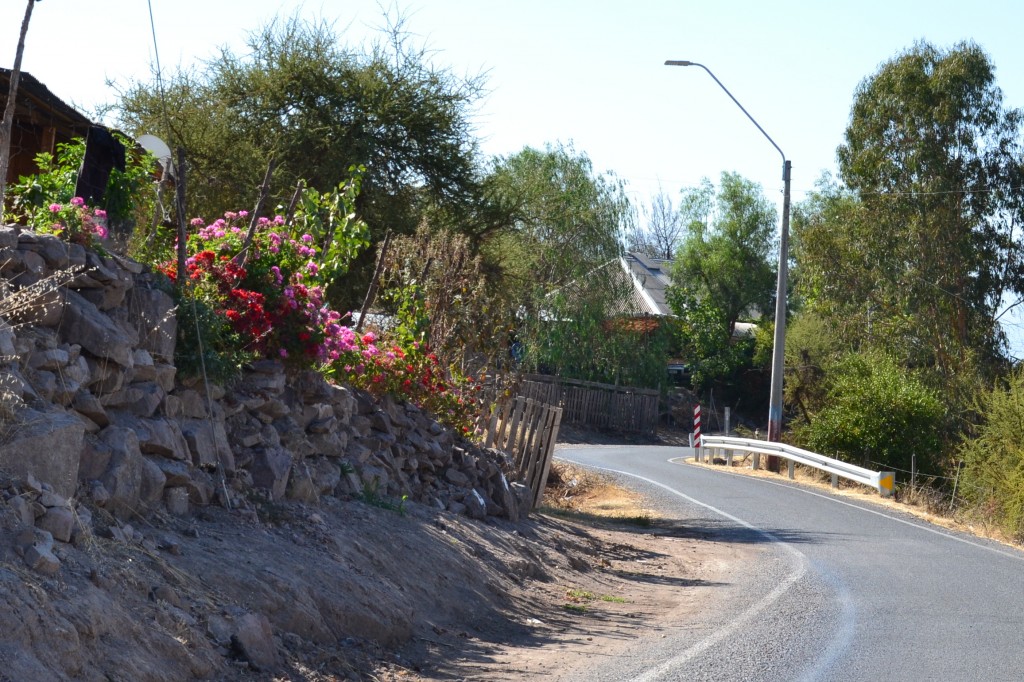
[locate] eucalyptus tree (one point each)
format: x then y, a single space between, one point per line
921 241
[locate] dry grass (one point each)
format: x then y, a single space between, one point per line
578 491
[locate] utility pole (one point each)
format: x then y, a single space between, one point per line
779 348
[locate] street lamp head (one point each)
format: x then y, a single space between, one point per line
678 62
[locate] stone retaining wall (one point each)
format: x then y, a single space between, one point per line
92 409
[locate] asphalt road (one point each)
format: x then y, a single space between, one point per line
840 590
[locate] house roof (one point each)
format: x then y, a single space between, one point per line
38 106
650 278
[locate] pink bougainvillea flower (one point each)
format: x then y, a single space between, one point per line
77 201
196 222
54 208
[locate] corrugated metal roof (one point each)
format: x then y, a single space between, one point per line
650 279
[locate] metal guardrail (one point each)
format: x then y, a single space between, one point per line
882 481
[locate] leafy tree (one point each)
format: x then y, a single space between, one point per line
318 107
586 332
563 219
722 272
918 248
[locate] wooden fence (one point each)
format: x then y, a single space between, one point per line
526 429
601 406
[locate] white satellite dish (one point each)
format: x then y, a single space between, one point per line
158 148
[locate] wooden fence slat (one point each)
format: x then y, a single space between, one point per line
548 456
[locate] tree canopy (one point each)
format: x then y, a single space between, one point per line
920 243
299 95
723 270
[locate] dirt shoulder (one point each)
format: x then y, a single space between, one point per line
346 590
606 571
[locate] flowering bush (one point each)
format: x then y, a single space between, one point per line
75 222
274 302
415 374
270 303
46 201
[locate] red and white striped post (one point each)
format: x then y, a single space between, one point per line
696 432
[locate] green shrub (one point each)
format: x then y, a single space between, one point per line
993 476
877 411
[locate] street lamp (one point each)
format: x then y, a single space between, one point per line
778 351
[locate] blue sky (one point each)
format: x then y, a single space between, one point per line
587 72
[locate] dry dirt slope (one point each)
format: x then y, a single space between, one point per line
344 590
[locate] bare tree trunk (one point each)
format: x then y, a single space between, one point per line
12 94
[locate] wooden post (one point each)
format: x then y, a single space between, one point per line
549 454
179 189
7 125
371 293
254 220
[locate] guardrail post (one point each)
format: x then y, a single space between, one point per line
755 463
792 470
835 480
887 483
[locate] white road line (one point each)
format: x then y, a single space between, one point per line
798 488
736 624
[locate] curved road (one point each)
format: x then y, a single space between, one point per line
841 590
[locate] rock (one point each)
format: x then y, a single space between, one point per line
151 313
141 399
208 443
59 522
312 478
157 436
22 510
90 406
42 560
82 529
254 639
123 477
50 360
200 488
36 547
98 493
506 500
270 469
167 594
83 323
176 501
456 477
176 472
476 506
103 297
153 480
524 498
47 445
105 377
192 404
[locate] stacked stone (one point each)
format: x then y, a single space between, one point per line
94 408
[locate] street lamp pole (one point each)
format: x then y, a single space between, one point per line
779 348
